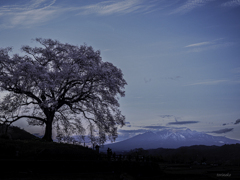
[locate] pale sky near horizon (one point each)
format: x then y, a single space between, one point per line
180 58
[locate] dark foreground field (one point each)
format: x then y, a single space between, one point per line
33 159
111 170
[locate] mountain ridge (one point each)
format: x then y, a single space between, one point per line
169 138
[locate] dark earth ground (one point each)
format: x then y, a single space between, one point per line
33 159
101 170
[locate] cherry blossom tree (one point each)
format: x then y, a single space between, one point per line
62 86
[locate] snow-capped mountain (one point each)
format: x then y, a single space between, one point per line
169 138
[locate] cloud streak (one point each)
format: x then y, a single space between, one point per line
39 11
182 122
211 47
116 7
215 82
232 3
221 131
210 82
189 6
208 45
34 12
199 44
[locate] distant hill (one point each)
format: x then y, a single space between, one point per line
15 133
169 139
223 155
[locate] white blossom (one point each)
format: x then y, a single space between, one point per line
56 84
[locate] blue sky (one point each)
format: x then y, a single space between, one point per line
180 58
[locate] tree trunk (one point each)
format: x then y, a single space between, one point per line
48 129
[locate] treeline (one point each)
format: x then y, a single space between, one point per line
199 154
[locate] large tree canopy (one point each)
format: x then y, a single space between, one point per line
63 86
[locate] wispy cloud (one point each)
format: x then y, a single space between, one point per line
36 12
211 47
232 3
199 44
210 82
170 117
33 12
174 78
189 6
215 82
208 45
166 116
182 122
221 131
117 7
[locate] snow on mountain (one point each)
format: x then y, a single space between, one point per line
169 138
